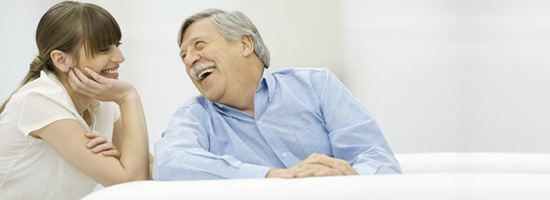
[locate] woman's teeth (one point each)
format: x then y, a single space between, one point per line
113 71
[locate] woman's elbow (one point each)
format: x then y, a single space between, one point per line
141 175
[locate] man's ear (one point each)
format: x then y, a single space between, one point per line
62 60
248 45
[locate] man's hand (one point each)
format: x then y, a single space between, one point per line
305 170
341 165
315 165
99 144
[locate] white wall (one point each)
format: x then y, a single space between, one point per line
453 75
437 75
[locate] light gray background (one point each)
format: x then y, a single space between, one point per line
438 75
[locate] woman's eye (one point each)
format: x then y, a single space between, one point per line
106 49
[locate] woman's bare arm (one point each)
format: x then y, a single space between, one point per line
65 136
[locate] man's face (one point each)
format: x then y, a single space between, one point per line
212 63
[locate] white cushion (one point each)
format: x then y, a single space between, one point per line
475 162
427 176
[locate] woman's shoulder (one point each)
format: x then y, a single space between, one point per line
46 85
41 99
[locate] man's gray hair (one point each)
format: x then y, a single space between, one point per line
232 25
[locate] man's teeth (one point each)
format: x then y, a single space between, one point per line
113 71
204 72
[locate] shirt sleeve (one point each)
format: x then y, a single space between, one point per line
353 132
182 153
116 111
38 111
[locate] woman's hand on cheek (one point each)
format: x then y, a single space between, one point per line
100 88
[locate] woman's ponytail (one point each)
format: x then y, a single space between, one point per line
36 66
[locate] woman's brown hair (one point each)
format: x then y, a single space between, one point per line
66 26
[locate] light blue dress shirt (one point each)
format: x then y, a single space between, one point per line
298 112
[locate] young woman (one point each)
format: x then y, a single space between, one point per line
71 91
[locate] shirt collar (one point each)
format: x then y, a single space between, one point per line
270 83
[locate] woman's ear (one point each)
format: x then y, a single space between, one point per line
248 45
62 60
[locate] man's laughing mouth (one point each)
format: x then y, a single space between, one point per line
201 70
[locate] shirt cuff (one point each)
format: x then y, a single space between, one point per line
253 171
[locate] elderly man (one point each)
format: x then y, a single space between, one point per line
249 123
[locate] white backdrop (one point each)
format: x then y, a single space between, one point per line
438 75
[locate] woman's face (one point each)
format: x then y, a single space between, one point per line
106 62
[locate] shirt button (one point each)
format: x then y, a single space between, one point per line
284 155
259 122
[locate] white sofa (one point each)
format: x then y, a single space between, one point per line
425 176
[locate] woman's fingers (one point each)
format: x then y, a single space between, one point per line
99 144
81 83
74 82
100 79
95 140
90 83
107 149
113 152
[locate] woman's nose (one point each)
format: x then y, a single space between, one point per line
118 57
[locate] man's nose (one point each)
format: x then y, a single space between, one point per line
191 58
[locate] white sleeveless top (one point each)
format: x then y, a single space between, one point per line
29 167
